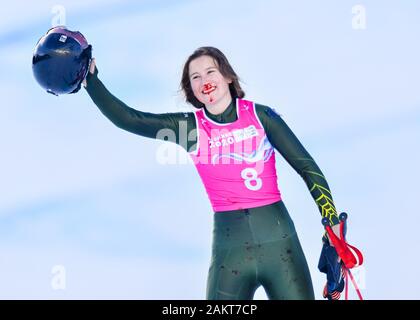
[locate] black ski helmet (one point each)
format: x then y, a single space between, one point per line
61 60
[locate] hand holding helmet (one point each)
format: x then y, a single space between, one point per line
61 60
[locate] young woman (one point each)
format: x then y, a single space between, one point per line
254 238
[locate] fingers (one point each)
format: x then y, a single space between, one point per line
92 66
91 71
336 230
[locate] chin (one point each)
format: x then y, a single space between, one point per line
211 103
207 102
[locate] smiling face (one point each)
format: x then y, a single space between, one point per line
209 86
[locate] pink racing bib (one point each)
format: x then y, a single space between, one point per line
235 161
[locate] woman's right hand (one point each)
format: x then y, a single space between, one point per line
91 71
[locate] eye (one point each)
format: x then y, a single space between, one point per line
210 71
195 77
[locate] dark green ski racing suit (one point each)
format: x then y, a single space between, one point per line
251 247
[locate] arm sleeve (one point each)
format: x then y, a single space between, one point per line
165 126
287 144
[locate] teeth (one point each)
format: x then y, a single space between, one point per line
208 89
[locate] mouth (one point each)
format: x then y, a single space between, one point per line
208 88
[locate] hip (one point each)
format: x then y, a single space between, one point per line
252 226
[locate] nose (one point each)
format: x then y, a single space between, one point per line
205 82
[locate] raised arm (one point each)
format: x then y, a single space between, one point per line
142 123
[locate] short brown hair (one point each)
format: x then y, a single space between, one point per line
224 67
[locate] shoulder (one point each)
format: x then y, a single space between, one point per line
173 119
188 118
269 117
181 115
265 112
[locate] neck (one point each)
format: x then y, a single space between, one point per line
220 106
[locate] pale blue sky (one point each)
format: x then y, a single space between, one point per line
76 191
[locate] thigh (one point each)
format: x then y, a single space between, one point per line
283 270
231 275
